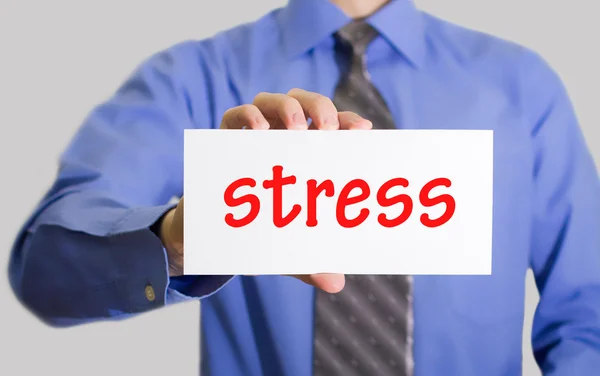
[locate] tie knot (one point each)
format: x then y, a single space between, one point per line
357 35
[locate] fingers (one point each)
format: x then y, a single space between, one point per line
318 107
245 116
352 121
331 283
291 111
282 111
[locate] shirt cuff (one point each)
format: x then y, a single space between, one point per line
159 285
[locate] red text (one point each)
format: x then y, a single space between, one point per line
345 199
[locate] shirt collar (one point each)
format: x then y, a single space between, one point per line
305 23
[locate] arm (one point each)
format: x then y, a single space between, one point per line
566 233
88 251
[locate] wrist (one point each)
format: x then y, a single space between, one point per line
165 231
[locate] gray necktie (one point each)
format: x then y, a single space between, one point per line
367 328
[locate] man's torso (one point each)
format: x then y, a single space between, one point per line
468 325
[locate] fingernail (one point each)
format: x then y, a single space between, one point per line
262 123
338 282
299 120
331 121
362 124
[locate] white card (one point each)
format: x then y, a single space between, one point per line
233 228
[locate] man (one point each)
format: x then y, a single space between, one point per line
106 243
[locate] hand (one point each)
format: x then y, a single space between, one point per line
291 111
271 111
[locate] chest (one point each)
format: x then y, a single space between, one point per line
445 99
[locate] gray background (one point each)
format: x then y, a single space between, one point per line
60 58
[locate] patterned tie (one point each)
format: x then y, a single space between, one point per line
367 328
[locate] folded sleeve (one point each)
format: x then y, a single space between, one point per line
87 252
565 254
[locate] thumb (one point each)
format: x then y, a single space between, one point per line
331 283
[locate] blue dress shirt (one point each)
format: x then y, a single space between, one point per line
87 253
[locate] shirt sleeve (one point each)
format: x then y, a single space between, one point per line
87 252
565 254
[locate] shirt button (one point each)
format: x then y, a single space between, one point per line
150 293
